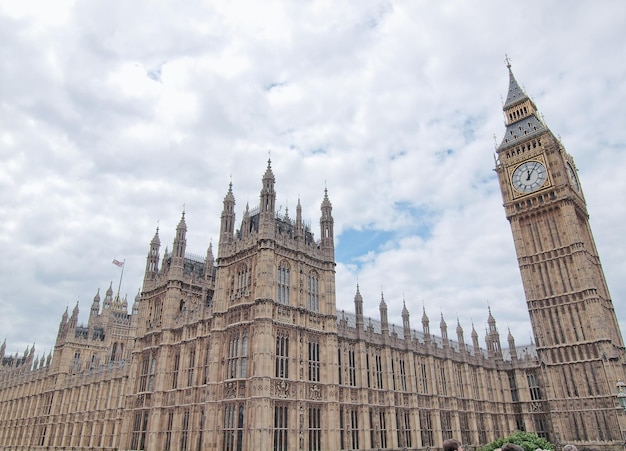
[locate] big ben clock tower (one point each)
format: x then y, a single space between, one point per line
579 343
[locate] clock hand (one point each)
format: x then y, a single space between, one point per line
527 175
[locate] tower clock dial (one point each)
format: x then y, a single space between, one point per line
572 176
529 176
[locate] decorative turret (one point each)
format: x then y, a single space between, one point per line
327 227
425 326
30 356
459 335
475 340
358 308
164 263
267 204
3 348
152 260
299 233
406 325
180 242
245 223
384 323
227 226
108 298
95 306
444 330
135 310
74 318
63 325
493 337
209 262
512 349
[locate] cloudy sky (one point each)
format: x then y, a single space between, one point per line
114 116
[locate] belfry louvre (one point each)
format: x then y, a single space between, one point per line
246 350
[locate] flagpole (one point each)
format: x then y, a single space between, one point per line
120 284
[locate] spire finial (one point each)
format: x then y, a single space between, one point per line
507 60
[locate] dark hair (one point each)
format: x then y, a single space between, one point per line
511 447
451 445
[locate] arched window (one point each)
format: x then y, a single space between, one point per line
237 355
233 427
313 298
282 354
282 289
243 276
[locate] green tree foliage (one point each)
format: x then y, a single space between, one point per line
527 440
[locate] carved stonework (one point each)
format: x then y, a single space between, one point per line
230 390
315 393
536 406
282 389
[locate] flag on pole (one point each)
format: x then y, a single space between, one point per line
118 263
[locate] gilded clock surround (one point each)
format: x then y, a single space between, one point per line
545 182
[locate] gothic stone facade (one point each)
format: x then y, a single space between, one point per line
247 351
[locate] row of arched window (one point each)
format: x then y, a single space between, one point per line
283 287
241 280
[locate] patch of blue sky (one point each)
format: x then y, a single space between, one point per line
354 244
418 219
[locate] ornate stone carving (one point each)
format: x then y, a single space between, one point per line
230 390
282 389
315 393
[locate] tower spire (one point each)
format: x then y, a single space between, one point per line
327 226
152 260
267 203
227 227
516 94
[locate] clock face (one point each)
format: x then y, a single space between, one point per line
572 176
529 176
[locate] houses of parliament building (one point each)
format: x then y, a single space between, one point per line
245 349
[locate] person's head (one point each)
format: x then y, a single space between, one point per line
511 447
570 448
451 445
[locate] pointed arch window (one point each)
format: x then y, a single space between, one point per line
243 279
314 359
233 427
282 290
313 297
281 427
282 355
315 428
237 355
